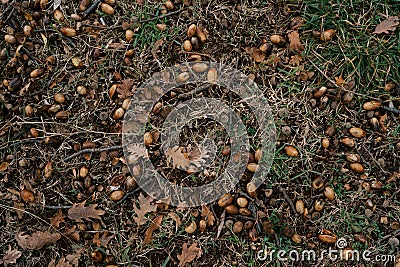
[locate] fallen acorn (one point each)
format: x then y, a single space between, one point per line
27 30
81 90
319 204
347 141
291 151
371 105
83 171
129 34
244 212
48 170
34 132
183 77
59 98
28 111
253 234
110 2
299 206
157 108
195 42
161 27
320 92
237 227
126 103
58 15
187 46
277 39
252 167
169 5
325 142
225 200
200 67
36 73
191 30
27 196
296 238
357 167
62 115
83 5
148 139
118 113
68 31
327 237
248 225
252 190
327 35
232 209
357 132
191 228
200 33
107 9
350 157
96 256
242 202
202 225
10 39
329 193
194 57
212 75
258 155
374 124
117 195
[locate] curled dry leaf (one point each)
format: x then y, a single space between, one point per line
258 55
208 215
294 42
10 257
145 206
188 254
79 212
387 25
190 161
103 239
57 219
155 224
37 240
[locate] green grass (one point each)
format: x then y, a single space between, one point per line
355 52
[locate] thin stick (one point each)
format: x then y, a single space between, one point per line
389 235
195 91
92 150
288 200
91 8
10 6
393 110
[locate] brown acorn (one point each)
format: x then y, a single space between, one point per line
161 27
169 5
27 196
329 193
327 237
374 124
34 132
191 228
371 105
157 108
318 183
225 200
200 33
252 190
244 212
83 171
357 167
83 5
320 92
357 132
118 113
200 67
59 98
277 39
194 57
299 206
68 31
232 209
148 139
129 34
291 151
28 111
187 46
62 115
96 256
258 155
58 15
191 30
330 131
110 2
27 30
117 195
81 90
352 157
237 227
319 205
349 142
202 225
195 42
242 202
325 142
296 238
107 9
248 225
253 234
183 77
48 170
252 167
10 39
327 35
36 73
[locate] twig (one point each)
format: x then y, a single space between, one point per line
127 195
195 91
393 110
221 225
91 8
24 141
396 232
10 6
92 150
288 200
54 207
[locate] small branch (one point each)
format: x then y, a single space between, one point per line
195 91
127 195
393 110
396 232
24 141
91 8
288 200
8 8
92 150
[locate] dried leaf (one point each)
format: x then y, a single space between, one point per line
190 161
103 240
258 55
295 60
57 219
155 224
4 166
157 45
339 80
387 25
125 89
10 257
37 240
188 254
79 212
70 232
208 215
176 218
294 42
145 206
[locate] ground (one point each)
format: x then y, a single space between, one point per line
63 92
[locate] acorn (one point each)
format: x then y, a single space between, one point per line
58 15
157 108
161 27
371 105
83 5
347 141
187 46
48 170
164 10
129 34
54 109
34 132
229 224
252 190
232 209
59 98
329 193
148 139
320 92
202 225
200 67
299 206
357 167
118 113
126 103
68 31
347 97
244 212
110 2
291 151
296 238
183 77
265 48
27 196
374 124
242 202
318 183
252 167
200 33
357 132
28 111
277 39
327 35
327 237
77 62
83 171
330 131
169 5
191 30
117 195
81 90
226 151
253 234
107 9
195 42
96 256
62 115
10 39
191 228
36 73
325 142
237 227
76 17
352 157
130 53
194 58
225 200
258 155
360 238
319 205
248 225
27 30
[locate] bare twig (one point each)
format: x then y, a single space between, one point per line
127 195
396 232
288 200
92 150
221 225
90 9
195 91
393 110
8 8
20 142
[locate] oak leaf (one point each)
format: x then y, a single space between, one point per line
155 224
188 254
295 60
258 55
208 215
145 206
37 240
294 42
189 161
103 239
125 89
57 219
387 25
10 257
339 80
79 212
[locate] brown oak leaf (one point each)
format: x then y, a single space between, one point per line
103 239
258 55
145 206
79 212
339 80
294 42
387 25
208 215
126 89
189 161
188 254
10 257
155 224
37 240
57 219
295 60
